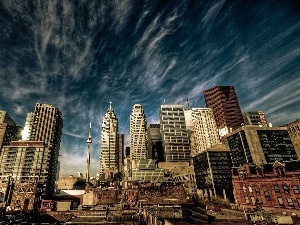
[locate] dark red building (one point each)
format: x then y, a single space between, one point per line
276 185
225 106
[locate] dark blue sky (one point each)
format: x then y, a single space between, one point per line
80 55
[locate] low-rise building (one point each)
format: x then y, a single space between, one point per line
276 185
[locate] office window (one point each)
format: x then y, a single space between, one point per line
277 189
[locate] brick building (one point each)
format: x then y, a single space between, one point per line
276 185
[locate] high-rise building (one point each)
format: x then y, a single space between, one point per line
138 133
109 155
176 147
8 129
205 130
294 131
121 152
255 118
155 148
259 145
47 126
225 106
35 160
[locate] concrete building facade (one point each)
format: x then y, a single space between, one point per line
258 145
225 106
138 133
109 155
174 134
255 118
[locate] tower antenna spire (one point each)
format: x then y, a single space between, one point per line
89 142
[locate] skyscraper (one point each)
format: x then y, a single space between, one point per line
225 106
205 130
174 134
8 129
138 133
109 155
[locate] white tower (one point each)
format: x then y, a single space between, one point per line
138 133
89 142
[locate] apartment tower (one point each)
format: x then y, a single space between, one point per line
176 147
138 133
225 106
109 155
47 126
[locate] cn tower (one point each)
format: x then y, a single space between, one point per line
89 141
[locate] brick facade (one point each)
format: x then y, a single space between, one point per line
277 186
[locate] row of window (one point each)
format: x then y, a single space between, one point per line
277 189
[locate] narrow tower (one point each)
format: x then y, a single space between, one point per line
89 142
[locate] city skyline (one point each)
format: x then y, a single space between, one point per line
79 58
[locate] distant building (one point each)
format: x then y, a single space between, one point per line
109 155
138 133
174 134
155 148
213 172
255 118
226 109
121 152
276 185
205 130
294 131
71 183
8 129
258 145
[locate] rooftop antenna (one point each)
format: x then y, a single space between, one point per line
89 142
188 104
